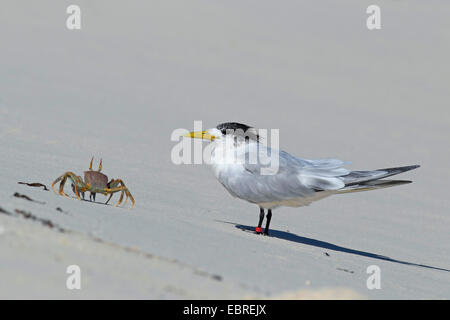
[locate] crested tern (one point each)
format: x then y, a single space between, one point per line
295 182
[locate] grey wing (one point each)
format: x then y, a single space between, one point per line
289 178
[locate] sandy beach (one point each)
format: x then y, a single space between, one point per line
135 72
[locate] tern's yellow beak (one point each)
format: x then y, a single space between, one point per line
200 135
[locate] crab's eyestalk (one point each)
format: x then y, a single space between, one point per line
90 165
100 166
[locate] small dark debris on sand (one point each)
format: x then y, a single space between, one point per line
216 277
60 210
206 274
18 195
34 184
4 211
345 270
45 222
327 254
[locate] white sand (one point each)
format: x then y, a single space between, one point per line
134 73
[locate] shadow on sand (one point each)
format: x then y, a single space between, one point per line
326 245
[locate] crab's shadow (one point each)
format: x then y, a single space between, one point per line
93 202
99 203
330 246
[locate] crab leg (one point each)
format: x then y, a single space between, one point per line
118 189
77 183
55 182
120 199
61 187
112 184
63 179
128 194
77 180
126 199
117 183
110 196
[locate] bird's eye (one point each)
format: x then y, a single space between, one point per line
224 131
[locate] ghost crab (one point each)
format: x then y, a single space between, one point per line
94 182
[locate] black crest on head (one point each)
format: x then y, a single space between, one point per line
238 129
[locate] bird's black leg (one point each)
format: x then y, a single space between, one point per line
269 216
261 218
92 196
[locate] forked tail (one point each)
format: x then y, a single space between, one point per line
372 185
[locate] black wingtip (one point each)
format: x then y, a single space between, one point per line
373 185
398 170
382 182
